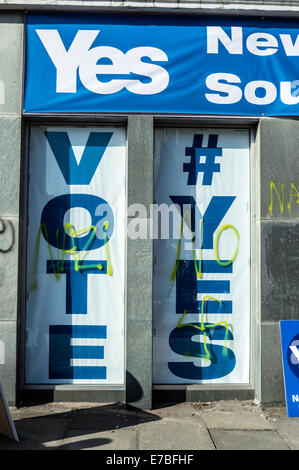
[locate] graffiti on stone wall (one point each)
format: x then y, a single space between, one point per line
282 197
7 236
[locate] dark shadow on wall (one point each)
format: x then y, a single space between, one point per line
134 391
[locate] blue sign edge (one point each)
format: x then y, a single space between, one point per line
289 408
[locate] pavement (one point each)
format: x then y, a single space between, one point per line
222 425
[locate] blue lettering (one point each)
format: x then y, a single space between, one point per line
73 172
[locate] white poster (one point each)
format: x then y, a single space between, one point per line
76 256
202 266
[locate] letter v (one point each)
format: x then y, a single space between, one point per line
73 172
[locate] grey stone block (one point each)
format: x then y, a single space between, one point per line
173 434
279 270
88 395
140 190
279 140
140 160
10 147
141 340
8 268
11 59
139 279
139 322
272 385
288 428
8 362
206 393
139 364
248 440
140 145
232 420
139 303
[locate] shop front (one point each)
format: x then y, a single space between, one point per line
141 203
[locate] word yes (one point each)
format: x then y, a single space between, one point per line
80 56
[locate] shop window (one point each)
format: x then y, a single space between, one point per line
202 256
75 256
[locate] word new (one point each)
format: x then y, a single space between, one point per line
260 43
80 57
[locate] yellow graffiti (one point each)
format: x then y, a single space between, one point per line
197 263
294 193
293 189
198 269
221 229
73 251
107 251
58 265
203 326
280 197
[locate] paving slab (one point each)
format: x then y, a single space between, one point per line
233 415
288 428
247 440
78 439
174 434
229 420
179 410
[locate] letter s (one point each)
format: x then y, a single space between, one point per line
159 76
222 359
233 92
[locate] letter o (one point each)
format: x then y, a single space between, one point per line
250 92
221 229
52 222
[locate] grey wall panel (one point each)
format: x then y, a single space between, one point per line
279 159
8 268
11 58
139 266
10 152
279 166
280 271
11 69
8 359
272 388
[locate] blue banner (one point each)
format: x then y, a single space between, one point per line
95 63
290 356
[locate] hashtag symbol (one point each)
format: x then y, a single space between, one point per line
209 167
